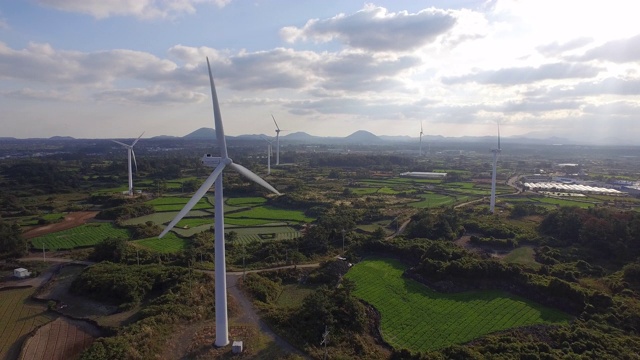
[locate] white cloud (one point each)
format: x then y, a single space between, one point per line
144 9
376 29
526 75
155 95
617 51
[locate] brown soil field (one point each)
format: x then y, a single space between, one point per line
70 221
61 339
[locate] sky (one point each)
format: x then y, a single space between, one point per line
117 68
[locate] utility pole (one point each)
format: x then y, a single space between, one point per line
44 255
137 257
343 231
325 339
244 268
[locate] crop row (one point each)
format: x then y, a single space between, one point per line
419 319
168 244
83 235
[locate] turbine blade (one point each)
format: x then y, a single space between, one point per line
253 177
420 127
133 155
195 198
274 121
118 142
137 139
217 117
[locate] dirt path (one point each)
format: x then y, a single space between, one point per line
71 220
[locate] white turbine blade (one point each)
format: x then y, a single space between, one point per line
118 142
274 121
253 177
217 117
195 198
133 155
137 139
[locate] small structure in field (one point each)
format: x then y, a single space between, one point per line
237 347
21 273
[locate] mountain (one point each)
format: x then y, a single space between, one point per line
363 137
300 136
61 138
202 133
399 138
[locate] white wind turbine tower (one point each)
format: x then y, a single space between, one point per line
219 163
495 152
269 151
421 137
277 140
130 154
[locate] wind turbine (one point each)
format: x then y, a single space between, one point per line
269 151
495 152
219 163
421 137
130 154
277 140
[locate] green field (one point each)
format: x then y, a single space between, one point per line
174 203
267 233
270 213
19 317
524 255
434 200
246 201
419 319
168 244
83 235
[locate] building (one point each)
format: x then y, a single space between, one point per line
21 273
424 175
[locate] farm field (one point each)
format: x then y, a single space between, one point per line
523 255
175 203
83 235
435 200
419 319
268 233
19 317
168 244
60 339
165 217
293 295
270 213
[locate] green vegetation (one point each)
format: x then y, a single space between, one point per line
271 213
412 313
173 203
81 236
170 243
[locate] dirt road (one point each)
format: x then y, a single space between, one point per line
71 220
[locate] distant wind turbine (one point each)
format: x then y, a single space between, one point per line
421 137
269 151
495 152
277 140
219 163
130 154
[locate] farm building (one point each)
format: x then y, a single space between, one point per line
424 175
21 273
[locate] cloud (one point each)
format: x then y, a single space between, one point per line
617 51
608 86
555 48
144 9
533 106
153 95
617 108
4 25
40 95
376 29
526 75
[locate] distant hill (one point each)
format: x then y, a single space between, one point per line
300 136
403 138
164 137
61 138
363 137
202 133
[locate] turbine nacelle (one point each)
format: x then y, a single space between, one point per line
211 161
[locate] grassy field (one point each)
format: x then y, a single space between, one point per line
83 235
19 317
419 319
175 203
293 295
270 213
523 255
246 201
168 244
270 233
434 200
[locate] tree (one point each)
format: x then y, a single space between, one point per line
11 242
